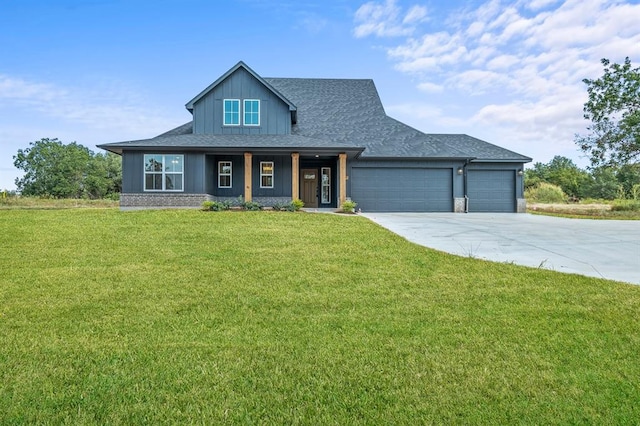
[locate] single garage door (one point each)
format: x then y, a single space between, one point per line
402 189
491 191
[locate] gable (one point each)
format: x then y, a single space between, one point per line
244 91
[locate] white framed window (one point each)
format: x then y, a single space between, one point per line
231 113
251 112
163 172
225 170
266 174
325 174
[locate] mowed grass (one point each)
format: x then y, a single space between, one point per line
181 316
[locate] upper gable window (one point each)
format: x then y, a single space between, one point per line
251 112
231 112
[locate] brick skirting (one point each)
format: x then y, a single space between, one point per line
141 200
180 200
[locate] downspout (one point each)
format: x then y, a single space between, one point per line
464 185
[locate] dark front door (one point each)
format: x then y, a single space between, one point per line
310 187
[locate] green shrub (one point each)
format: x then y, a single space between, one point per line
635 191
349 206
281 207
251 206
545 193
216 206
297 204
626 206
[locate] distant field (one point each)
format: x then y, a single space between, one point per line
52 203
584 211
182 316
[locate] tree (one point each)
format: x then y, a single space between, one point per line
53 169
605 185
613 109
629 177
560 171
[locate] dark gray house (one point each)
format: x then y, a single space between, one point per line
321 140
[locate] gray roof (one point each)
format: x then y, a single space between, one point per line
339 114
183 137
351 110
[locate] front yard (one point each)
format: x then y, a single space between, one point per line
181 316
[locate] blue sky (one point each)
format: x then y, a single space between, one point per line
508 72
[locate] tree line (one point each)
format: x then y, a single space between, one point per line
604 182
54 169
57 170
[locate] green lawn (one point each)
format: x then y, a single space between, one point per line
181 316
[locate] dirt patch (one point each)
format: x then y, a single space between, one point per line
569 208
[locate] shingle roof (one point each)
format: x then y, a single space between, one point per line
182 137
344 114
351 110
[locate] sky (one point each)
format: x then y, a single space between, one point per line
508 72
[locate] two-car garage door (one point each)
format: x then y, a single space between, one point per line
402 189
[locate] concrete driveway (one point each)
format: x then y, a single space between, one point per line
597 248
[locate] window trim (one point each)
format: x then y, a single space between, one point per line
327 185
224 112
244 112
262 175
230 174
163 172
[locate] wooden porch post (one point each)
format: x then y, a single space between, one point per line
247 176
343 178
295 178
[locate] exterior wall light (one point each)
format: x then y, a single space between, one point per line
460 171
520 172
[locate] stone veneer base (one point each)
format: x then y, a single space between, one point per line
164 200
521 206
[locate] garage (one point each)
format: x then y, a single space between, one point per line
492 191
402 189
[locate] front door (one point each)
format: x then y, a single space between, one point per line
310 187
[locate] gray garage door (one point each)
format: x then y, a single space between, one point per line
492 191
402 189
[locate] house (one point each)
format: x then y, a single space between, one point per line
321 140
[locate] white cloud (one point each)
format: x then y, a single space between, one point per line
416 14
522 61
19 90
386 19
539 4
430 87
103 106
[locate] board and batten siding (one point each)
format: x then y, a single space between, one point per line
281 176
133 171
275 117
237 176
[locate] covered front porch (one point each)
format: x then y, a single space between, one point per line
317 178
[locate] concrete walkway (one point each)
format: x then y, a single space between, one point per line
597 248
